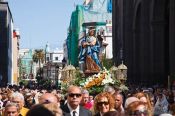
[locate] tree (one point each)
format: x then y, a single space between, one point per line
38 56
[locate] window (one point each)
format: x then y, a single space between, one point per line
47 58
56 58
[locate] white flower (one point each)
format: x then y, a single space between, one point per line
123 87
90 79
82 84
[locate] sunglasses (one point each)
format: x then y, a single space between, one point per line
101 103
74 94
139 113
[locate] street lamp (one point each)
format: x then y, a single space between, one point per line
64 62
56 75
122 72
114 71
68 74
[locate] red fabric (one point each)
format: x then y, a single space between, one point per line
88 105
14 34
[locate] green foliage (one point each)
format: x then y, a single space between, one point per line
79 78
64 87
38 56
45 83
107 63
38 78
96 89
24 82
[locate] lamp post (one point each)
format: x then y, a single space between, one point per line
64 62
56 74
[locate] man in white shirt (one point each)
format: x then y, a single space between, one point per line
73 108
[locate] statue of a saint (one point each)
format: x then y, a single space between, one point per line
90 49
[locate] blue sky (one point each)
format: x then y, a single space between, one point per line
42 21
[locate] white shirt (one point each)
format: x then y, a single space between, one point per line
76 110
1 104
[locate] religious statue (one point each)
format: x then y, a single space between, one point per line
90 48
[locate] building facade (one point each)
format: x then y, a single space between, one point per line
6 36
51 68
143 37
26 67
55 57
15 51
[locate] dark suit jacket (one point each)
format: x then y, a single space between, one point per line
97 114
82 111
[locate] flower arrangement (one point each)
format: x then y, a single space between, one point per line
102 78
96 83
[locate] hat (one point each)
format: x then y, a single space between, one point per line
130 100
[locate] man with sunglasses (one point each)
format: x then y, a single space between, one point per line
73 108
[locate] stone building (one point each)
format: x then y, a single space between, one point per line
6 37
143 37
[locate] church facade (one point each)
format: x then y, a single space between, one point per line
143 37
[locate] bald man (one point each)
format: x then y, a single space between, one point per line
73 108
48 98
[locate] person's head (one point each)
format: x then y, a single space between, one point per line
160 96
91 98
91 31
85 97
118 100
54 91
137 108
9 95
104 102
48 98
74 96
130 100
109 89
111 113
54 108
11 109
40 110
18 98
144 97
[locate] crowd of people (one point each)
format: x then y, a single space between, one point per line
21 101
